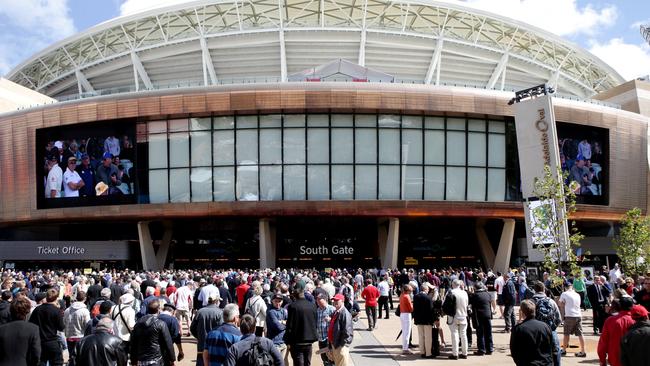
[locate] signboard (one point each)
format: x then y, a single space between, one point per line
64 250
410 261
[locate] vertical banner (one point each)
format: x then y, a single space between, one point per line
538 146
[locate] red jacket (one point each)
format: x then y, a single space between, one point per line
370 294
609 345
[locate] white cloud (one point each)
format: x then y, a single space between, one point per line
136 6
630 60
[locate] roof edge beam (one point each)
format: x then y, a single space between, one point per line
138 70
208 66
435 60
83 82
498 70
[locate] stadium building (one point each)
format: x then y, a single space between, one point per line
306 133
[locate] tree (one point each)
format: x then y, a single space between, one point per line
632 244
557 202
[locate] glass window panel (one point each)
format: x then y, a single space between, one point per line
455 148
434 183
342 145
389 182
434 147
294 120
411 121
223 152
158 186
413 183
271 121
271 183
179 149
476 125
389 146
389 121
455 184
342 120
247 183
319 182
179 185
157 126
456 124
412 146
366 120
177 125
436 123
224 184
246 147
476 181
201 148
497 150
497 126
342 182
476 149
157 151
496 184
294 146
200 124
224 123
271 146
366 145
201 179
294 182
366 182
318 145
318 120
246 122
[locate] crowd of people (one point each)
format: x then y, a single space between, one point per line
268 317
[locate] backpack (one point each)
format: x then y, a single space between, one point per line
544 312
347 293
257 355
449 305
249 309
94 311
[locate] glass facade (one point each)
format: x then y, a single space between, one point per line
327 157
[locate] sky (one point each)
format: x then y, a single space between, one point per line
608 29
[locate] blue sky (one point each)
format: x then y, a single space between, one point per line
609 29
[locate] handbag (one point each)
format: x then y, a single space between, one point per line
397 311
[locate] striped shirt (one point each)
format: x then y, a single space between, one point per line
218 341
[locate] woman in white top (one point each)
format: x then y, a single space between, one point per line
256 307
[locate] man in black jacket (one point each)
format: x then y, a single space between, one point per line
239 353
481 302
423 318
49 320
20 343
509 297
636 342
5 303
101 348
301 332
342 333
531 341
150 340
598 295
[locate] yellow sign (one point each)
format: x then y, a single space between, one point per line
88 270
410 261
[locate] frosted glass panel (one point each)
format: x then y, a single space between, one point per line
198 124
476 125
318 180
342 145
412 146
455 184
455 148
294 146
201 149
179 149
434 147
223 152
224 123
271 146
496 184
437 123
366 183
224 184
318 145
201 179
476 149
342 182
246 147
342 120
246 122
389 146
271 183
497 126
366 145
366 120
318 120
294 120
413 183
177 125
294 182
411 122
456 124
497 150
157 126
157 151
158 186
476 184
271 121
434 183
247 183
389 182
179 185
389 121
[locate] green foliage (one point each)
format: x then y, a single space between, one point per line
633 242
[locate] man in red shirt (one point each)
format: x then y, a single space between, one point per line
615 327
241 291
371 294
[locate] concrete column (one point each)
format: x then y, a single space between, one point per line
392 243
502 260
382 236
487 253
267 244
163 249
149 261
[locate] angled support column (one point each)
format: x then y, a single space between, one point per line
502 260
390 253
498 71
267 244
487 253
208 66
82 82
149 261
434 65
139 70
163 249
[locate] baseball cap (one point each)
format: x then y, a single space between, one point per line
169 306
84 156
338 297
299 286
72 158
278 297
638 312
107 155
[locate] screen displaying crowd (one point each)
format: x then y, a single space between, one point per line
583 158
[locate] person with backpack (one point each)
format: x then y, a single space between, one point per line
252 350
531 340
123 316
547 311
509 298
256 307
104 295
104 312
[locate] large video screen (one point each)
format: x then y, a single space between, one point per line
584 155
88 164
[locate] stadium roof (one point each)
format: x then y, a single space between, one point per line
259 41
